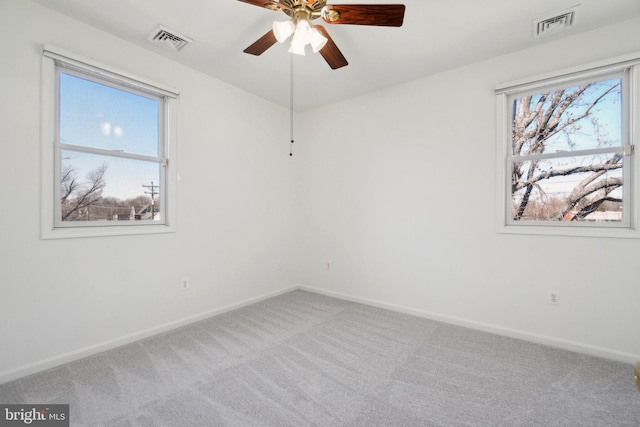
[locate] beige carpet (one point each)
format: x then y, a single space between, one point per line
302 359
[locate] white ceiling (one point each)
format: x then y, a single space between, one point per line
436 36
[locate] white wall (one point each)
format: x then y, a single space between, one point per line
400 189
61 299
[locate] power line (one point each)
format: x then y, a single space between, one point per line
153 194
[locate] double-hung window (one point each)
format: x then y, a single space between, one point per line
107 140
565 152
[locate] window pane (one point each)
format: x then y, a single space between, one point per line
581 117
580 188
100 116
105 188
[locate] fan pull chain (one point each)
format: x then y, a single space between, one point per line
291 110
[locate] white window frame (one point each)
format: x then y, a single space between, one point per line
51 226
504 96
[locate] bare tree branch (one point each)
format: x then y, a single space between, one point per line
75 197
68 183
599 168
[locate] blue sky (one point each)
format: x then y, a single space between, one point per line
607 112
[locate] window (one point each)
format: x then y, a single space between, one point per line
106 146
566 152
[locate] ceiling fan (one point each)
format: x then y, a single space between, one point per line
302 12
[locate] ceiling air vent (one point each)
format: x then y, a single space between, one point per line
553 24
169 39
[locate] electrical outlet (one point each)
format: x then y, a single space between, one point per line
554 297
184 284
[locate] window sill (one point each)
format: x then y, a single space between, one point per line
577 231
79 232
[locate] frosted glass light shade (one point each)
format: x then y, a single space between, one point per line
300 38
282 30
317 40
297 47
303 32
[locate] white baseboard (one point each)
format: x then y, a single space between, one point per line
498 330
71 356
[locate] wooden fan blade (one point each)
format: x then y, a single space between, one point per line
267 4
330 51
385 15
262 44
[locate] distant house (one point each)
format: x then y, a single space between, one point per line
147 212
124 214
597 216
604 216
144 213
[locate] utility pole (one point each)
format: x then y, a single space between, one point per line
153 193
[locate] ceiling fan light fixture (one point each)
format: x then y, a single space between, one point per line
303 35
282 30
